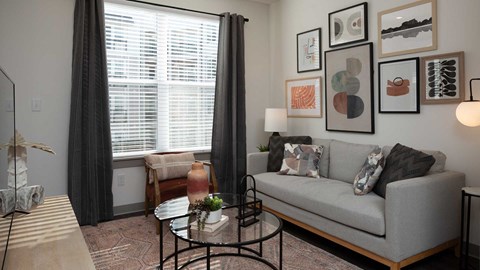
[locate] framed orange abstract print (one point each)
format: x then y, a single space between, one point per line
304 97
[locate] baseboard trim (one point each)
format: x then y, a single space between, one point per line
128 209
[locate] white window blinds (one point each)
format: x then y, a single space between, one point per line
161 72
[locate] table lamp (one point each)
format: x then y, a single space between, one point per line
468 112
275 120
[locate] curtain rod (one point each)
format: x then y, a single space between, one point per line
179 8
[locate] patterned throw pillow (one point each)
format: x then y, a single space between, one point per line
368 176
302 160
403 163
276 146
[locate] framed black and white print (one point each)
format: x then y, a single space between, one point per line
442 78
349 89
309 47
408 29
398 86
348 25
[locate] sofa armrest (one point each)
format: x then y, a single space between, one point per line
423 212
257 162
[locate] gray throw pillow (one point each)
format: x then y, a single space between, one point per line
277 148
403 163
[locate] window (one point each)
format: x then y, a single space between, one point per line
161 76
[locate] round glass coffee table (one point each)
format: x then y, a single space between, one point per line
233 238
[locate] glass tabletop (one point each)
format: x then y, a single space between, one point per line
179 207
230 233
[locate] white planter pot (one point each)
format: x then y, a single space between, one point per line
214 216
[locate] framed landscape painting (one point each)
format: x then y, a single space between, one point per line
309 47
443 78
348 25
349 89
304 97
398 86
408 29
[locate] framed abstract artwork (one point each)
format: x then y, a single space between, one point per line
398 86
309 47
304 97
442 78
348 25
349 89
408 29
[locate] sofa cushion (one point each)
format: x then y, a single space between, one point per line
325 159
328 198
403 163
368 176
437 167
346 159
276 149
301 159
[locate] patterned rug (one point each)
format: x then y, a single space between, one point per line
131 243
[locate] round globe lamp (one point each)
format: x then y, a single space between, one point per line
468 112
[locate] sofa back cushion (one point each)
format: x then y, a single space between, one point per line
277 148
437 167
346 159
325 159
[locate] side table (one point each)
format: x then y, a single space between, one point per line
468 192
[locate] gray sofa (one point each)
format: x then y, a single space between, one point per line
418 217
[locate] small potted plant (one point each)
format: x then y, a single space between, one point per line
208 210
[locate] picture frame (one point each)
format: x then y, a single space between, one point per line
398 86
408 29
349 89
304 97
349 25
309 47
443 78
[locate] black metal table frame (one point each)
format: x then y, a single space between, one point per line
240 246
464 258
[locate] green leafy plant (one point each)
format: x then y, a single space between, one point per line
262 148
206 205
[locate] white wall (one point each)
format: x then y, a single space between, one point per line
434 128
36 50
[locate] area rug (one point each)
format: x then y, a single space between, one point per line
131 243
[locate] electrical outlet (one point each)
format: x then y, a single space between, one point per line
121 180
36 105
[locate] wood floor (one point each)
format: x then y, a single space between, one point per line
442 261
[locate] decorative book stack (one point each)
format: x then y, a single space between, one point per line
210 227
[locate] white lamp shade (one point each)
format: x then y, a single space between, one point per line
275 120
468 113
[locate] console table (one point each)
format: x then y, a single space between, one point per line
48 238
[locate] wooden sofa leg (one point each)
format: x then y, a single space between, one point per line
395 266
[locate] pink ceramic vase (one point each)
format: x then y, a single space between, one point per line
197 183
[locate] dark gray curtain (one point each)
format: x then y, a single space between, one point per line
89 148
229 129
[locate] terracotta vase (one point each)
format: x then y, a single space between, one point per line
197 183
